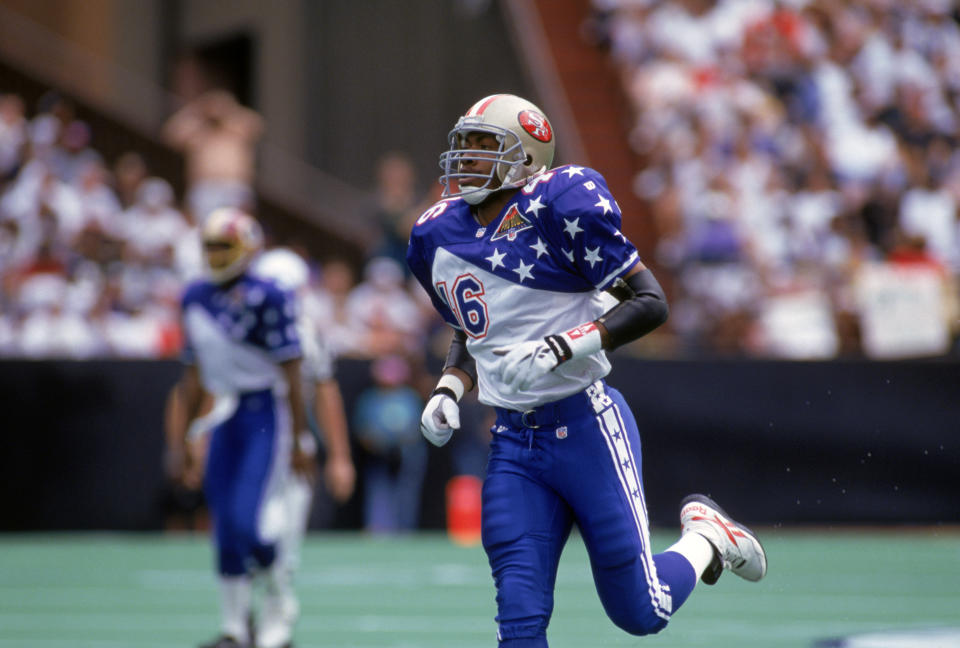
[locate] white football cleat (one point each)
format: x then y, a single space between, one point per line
279 611
736 547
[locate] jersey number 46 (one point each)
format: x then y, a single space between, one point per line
465 299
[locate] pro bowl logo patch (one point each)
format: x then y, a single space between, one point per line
535 124
513 222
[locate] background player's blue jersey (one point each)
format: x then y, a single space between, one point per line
539 268
239 334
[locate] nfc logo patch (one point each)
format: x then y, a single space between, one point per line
513 221
562 432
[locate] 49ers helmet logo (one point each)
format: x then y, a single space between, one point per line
535 124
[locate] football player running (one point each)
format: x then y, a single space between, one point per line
242 347
528 265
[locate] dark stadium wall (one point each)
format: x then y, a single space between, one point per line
818 443
385 75
83 444
855 441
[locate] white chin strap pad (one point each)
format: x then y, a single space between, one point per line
476 196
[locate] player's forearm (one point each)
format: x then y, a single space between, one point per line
459 362
333 421
182 126
245 123
643 307
186 402
174 418
291 370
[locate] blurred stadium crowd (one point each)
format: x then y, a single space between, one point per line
800 159
94 257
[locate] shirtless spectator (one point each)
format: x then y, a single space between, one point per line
219 138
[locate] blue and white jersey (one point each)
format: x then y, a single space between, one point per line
239 334
540 268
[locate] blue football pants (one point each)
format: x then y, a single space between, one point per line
240 465
576 460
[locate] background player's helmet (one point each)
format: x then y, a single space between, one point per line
526 146
284 266
231 238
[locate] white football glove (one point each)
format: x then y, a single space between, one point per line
441 416
525 362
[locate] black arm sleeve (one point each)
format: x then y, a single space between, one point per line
642 308
459 357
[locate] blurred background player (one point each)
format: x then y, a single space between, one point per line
324 403
530 268
242 347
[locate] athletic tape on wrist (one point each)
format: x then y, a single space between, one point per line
451 386
559 347
580 341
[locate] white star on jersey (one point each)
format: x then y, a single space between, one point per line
535 206
496 259
593 256
572 227
568 254
572 171
540 247
523 271
605 203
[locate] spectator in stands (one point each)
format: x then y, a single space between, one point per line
382 308
398 205
152 225
328 308
219 138
928 211
818 114
15 251
76 280
129 170
54 112
52 329
386 417
73 153
13 136
100 208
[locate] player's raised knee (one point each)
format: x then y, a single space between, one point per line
638 622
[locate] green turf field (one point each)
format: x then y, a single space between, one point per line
154 591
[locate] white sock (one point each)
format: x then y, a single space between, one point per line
696 549
235 600
277 578
280 608
299 496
